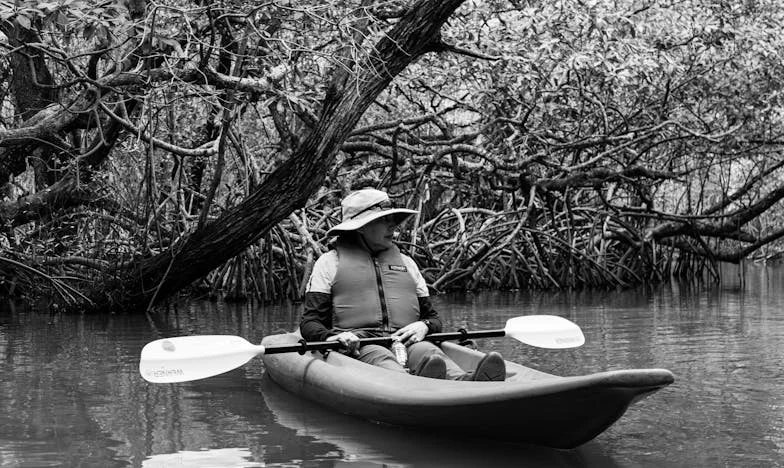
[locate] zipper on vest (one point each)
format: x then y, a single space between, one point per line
382 298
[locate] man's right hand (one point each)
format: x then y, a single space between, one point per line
349 340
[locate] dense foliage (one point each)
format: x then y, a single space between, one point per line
546 144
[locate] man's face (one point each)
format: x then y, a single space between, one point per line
378 233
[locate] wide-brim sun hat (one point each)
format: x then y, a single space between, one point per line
363 206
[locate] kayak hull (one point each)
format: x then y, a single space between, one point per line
529 407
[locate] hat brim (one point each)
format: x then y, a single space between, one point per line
354 224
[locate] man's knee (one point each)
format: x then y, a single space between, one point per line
417 352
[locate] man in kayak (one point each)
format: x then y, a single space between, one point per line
366 287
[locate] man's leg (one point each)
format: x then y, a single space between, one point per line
379 356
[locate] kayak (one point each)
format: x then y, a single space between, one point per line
530 406
377 445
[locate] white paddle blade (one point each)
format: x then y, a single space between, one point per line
186 358
545 331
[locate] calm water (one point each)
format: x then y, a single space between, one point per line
70 394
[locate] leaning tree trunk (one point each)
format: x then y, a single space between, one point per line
288 188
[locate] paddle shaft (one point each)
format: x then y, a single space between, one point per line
303 347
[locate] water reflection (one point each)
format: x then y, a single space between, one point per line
54 376
224 457
392 446
70 394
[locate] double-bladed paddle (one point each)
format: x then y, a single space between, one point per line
186 358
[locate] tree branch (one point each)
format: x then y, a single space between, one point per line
289 186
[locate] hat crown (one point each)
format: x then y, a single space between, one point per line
360 202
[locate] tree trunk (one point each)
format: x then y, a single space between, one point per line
30 85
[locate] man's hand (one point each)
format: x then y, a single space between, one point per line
349 341
411 333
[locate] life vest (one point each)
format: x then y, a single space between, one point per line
372 293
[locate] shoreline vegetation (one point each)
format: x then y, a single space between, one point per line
153 148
